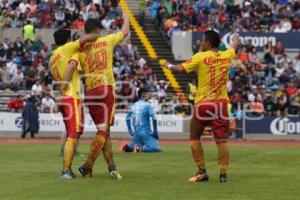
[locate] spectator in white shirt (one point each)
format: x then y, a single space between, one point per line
296 62
4 4
18 78
162 87
251 97
37 89
23 6
106 23
129 48
284 60
71 6
6 43
59 16
279 70
97 2
11 67
141 61
175 105
84 13
155 103
4 75
282 27
48 104
286 24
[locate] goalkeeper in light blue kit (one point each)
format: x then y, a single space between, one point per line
138 124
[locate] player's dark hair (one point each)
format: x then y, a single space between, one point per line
213 38
91 24
61 36
141 93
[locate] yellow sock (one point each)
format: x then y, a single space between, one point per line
223 156
197 152
69 150
108 152
96 147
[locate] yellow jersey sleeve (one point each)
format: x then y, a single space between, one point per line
82 60
230 52
72 47
76 58
81 56
116 38
55 59
193 63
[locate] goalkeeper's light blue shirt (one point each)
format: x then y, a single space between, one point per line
138 119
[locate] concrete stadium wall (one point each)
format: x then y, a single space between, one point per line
14 33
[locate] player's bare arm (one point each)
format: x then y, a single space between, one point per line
175 68
68 75
88 38
235 42
125 26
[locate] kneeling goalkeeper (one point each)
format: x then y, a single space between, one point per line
138 124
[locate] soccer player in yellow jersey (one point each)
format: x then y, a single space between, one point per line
96 59
211 100
61 61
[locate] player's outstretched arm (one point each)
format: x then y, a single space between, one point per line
235 42
188 66
174 68
88 38
68 75
125 26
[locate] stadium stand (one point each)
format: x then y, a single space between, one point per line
228 16
271 79
23 63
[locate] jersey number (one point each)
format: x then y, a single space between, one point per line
216 84
136 121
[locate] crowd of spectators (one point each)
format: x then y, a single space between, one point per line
27 68
58 13
269 84
226 15
24 63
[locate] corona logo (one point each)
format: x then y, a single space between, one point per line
216 61
283 126
257 41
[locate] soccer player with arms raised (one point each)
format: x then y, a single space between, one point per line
211 100
96 59
70 91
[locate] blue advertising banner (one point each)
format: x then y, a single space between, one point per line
273 125
259 39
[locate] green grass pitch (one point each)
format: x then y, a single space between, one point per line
30 171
